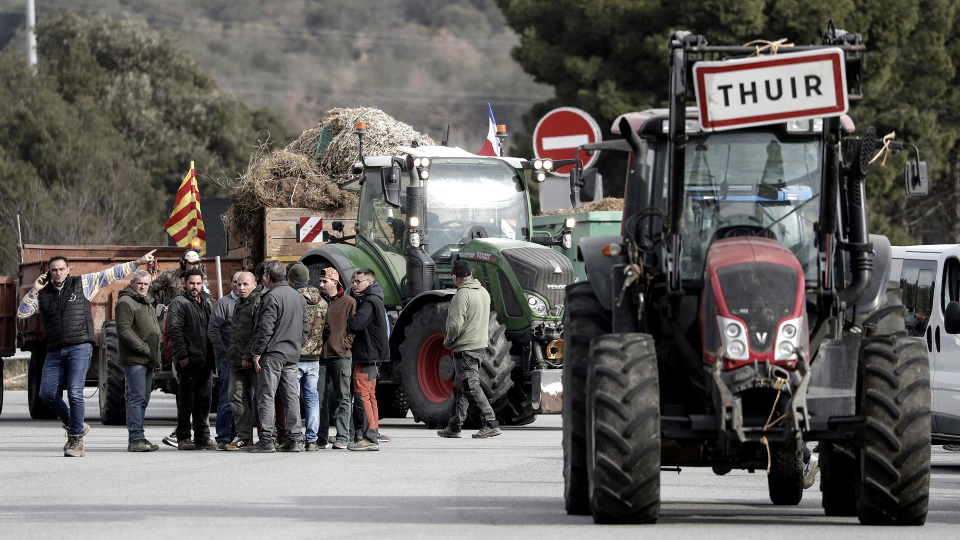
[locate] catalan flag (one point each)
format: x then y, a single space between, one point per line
185 225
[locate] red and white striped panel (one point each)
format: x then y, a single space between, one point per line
310 229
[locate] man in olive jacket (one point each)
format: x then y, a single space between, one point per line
468 324
187 321
139 354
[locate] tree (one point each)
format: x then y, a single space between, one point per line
610 57
106 129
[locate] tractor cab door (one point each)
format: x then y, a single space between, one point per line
382 225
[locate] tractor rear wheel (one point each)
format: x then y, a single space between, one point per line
427 366
623 429
38 409
583 319
785 479
112 381
895 405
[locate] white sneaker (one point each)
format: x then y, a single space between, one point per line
810 471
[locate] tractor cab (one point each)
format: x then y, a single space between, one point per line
461 197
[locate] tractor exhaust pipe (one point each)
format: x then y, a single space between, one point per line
858 244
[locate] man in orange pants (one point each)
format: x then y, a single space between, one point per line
370 348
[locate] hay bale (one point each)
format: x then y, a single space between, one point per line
303 176
603 205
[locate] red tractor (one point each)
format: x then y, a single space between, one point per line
745 309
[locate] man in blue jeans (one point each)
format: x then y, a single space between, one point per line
308 369
64 303
219 332
139 354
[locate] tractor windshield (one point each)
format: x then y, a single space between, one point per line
471 198
749 184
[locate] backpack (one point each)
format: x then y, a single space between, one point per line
167 345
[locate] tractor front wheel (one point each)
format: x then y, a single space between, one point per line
427 368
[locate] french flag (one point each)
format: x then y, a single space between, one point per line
491 147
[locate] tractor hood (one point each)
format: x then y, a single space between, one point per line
537 270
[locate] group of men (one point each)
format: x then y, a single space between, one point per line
273 339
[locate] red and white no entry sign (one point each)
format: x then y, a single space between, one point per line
561 131
310 229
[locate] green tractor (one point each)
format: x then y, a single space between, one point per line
418 214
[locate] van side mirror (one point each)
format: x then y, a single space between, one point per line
917 180
951 318
390 182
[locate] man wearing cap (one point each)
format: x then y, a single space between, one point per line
308 369
170 283
335 358
467 337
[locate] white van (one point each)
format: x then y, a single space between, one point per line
929 277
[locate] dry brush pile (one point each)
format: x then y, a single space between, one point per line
310 172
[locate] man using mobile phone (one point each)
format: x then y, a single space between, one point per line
68 328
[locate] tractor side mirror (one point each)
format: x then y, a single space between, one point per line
390 182
917 179
951 318
591 183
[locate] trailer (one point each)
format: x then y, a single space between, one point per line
104 374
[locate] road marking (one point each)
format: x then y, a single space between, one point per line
566 141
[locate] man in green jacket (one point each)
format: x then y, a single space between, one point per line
139 354
468 322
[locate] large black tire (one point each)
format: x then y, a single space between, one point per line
583 319
392 401
895 405
623 429
430 397
839 476
518 410
38 409
111 380
785 479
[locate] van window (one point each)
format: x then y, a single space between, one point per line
896 266
917 282
950 292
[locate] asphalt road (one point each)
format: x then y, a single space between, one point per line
418 485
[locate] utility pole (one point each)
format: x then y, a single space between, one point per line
32 36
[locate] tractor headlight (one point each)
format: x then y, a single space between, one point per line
567 241
569 222
548 164
790 339
414 221
424 174
415 239
537 306
732 337
539 177
538 164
